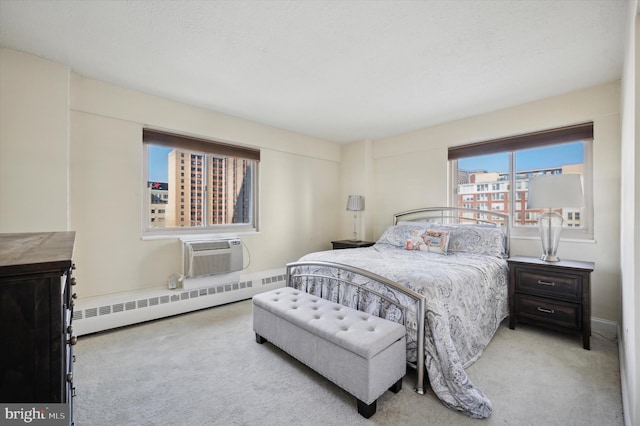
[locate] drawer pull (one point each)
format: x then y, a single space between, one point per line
546 311
549 283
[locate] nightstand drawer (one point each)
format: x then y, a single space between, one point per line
563 286
550 313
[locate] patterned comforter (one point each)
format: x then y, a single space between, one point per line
466 299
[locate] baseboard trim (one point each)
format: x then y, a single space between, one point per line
624 385
606 328
111 311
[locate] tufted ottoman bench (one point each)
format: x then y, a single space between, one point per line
363 354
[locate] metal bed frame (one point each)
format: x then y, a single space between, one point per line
457 215
441 215
300 281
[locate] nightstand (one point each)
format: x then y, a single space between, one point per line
556 295
345 244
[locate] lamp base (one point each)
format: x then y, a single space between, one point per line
550 225
549 258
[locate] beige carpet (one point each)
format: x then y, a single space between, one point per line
205 368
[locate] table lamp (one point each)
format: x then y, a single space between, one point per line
355 203
553 192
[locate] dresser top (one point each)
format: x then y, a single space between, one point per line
35 252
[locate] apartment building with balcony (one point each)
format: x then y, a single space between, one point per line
158 194
485 190
197 197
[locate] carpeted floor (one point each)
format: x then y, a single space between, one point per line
205 368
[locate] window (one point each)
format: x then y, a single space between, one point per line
503 167
220 193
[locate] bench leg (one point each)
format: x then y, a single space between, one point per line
366 410
260 339
396 387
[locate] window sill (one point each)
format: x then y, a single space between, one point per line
202 236
565 240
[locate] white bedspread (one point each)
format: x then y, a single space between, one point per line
466 299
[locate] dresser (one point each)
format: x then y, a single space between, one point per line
555 295
36 308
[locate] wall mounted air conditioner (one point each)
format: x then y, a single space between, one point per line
209 257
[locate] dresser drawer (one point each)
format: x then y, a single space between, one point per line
549 284
549 312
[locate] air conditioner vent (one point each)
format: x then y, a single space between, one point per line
202 258
209 245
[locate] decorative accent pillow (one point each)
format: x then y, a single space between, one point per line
430 240
436 241
398 235
415 240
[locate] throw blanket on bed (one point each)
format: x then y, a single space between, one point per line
466 299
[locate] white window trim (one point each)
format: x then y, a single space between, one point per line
583 234
196 232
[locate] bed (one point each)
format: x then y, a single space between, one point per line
440 271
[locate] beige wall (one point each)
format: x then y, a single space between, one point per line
630 232
357 178
298 187
84 140
89 162
34 112
71 159
411 172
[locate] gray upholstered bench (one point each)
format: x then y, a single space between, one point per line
363 354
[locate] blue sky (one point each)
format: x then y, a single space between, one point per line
551 156
158 166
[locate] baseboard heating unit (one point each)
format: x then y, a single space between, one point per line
94 314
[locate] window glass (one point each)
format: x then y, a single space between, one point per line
206 193
565 158
502 180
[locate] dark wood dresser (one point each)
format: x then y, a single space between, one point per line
554 295
36 307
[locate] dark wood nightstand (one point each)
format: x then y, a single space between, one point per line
345 244
555 295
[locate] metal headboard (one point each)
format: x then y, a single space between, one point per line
458 215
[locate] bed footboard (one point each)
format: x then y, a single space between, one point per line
369 292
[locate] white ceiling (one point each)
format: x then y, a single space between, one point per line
337 70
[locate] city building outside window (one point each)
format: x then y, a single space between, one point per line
220 195
502 168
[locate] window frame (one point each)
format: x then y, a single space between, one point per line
205 147
582 132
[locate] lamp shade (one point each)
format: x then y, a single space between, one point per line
555 191
355 203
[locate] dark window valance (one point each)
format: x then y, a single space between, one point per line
530 140
190 143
